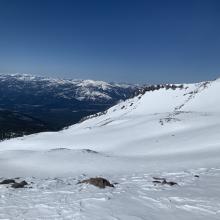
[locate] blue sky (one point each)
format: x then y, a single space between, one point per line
127 41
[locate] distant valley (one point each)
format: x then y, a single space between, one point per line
52 104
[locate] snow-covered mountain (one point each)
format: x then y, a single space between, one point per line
57 102
64 88
166 131
144 121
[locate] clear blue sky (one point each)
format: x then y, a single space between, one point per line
113 40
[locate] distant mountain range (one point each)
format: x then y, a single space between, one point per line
51 104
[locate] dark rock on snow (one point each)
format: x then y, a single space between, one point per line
90 151
156 181
14 183
171 183
7 181
98 182
163 181
19 185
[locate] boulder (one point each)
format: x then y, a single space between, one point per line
7 181
98 182
19 185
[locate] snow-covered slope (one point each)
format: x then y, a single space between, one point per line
172 133
163 121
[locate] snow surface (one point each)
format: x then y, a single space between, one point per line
164 133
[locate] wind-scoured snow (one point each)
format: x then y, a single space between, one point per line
169 133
